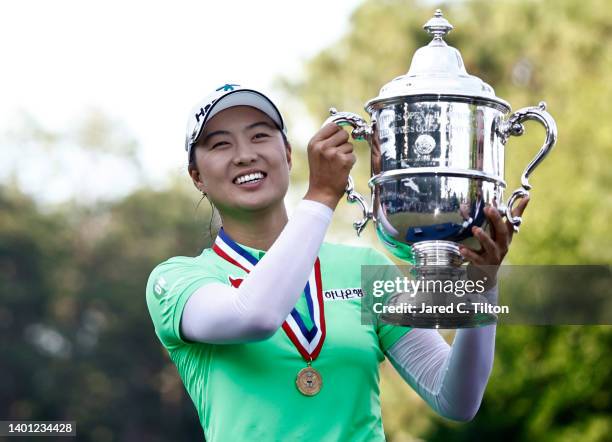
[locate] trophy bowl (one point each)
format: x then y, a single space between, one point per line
437 139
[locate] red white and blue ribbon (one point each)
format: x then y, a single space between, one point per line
308 342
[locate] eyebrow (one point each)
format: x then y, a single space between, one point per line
225 132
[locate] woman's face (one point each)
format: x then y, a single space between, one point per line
242 161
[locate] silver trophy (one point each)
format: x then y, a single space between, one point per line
437 138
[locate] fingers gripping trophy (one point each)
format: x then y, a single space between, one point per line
437 139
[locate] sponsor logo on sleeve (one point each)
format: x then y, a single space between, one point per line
159 288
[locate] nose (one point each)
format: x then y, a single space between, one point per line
244 154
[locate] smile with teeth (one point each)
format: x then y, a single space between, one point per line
249 178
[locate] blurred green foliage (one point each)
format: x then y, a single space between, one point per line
77 342
548 383
75 335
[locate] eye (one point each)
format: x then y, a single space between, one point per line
261 135
219 144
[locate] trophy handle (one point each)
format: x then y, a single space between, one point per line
361 131
514 126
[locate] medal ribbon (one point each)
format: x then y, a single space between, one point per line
308 342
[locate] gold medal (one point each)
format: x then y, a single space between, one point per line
309 381
308 342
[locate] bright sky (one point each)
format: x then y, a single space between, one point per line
145 64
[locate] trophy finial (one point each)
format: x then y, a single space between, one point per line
438 26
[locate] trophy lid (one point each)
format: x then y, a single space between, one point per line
437 69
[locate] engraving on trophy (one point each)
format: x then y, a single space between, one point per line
425 144
460 121
417 122
386 119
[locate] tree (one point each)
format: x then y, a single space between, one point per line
549 383
77 340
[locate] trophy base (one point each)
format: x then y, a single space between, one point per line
439 264
437 253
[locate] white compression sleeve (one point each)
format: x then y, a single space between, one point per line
451 379
221 314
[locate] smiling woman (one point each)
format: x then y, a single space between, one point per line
242 162
262 354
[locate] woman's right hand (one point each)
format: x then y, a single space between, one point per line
330 158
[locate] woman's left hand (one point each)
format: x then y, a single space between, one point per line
494 247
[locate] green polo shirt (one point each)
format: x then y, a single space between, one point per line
247 392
